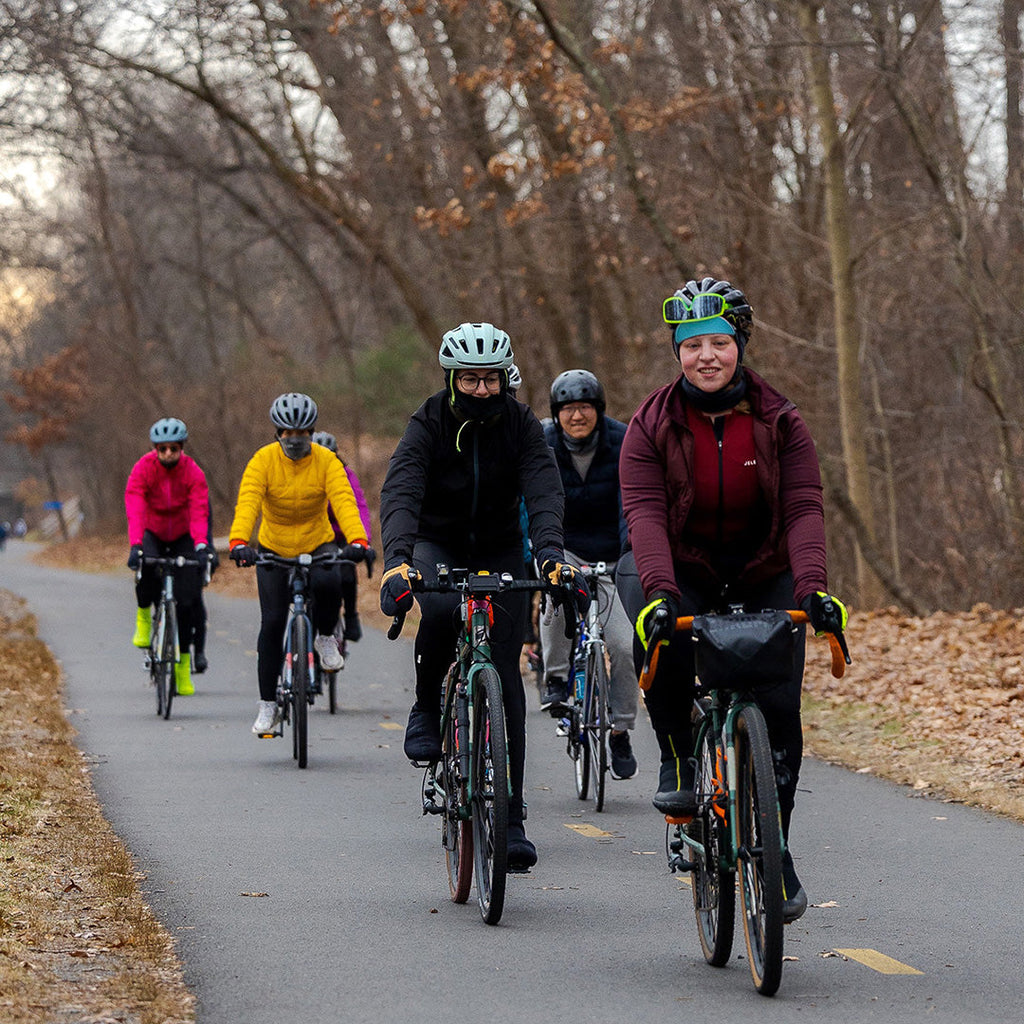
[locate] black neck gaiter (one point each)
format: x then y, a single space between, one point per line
716 401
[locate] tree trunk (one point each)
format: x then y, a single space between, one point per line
852 423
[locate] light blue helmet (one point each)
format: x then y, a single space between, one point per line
168 431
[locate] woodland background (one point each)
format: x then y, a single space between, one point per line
208 202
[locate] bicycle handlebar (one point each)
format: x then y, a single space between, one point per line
836 642
177 562
474 584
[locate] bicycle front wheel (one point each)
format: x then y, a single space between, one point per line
456 828
158 670
596 724
759 856
489 794
714 885
579 750
169 655
302 664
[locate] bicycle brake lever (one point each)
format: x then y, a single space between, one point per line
396 626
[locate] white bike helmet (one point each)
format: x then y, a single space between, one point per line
473 346
293 411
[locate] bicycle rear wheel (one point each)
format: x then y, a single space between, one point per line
302 658
596 725
489 794
759 859
169 655
714 885
457 828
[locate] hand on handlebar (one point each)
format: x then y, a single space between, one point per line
396 590
243 555
657 620
571 587
358 552
827 613
135 556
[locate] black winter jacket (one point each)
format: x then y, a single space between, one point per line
458 484
595 528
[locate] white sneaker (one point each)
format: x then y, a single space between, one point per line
331 659
268 719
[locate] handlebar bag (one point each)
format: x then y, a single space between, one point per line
744 651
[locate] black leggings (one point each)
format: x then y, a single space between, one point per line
436 645
670 697
188 585
275 597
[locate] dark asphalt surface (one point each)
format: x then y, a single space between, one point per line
357 926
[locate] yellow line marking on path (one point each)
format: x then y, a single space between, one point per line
878 961
390 725
591 831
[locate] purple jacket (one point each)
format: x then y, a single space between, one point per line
657 491
364 509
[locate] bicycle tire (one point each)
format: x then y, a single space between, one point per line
456 827
759 854
596 726
156 671
332 692
489 794
713 883
579 750
169 655
301 659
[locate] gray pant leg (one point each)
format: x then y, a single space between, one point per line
618 637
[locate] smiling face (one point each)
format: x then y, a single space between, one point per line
578 419
709 360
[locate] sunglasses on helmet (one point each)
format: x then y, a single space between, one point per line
703 306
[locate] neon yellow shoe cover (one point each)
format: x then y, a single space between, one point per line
183 676
143 627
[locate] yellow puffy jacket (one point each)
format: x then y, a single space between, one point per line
292 497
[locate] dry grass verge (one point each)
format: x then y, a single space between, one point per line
77 942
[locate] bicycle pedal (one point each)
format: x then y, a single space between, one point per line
517 871
679 864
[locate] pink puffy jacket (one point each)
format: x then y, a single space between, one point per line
168 502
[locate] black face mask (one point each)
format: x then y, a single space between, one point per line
296 447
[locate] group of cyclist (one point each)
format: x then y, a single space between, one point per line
711 495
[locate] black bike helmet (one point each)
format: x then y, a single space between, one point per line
576 386
687 307
293 411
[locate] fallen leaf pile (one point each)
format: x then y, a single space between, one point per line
936 703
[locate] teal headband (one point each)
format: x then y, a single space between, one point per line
709 325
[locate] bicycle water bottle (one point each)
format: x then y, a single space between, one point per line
581 683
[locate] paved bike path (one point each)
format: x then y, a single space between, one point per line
356 924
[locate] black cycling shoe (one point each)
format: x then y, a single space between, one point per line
522 854
795 901
675 796
623 760
423 736
556 697
199 662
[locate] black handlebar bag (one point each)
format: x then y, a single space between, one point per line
746 651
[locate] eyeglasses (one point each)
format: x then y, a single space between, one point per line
469 382
169 449
703 306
